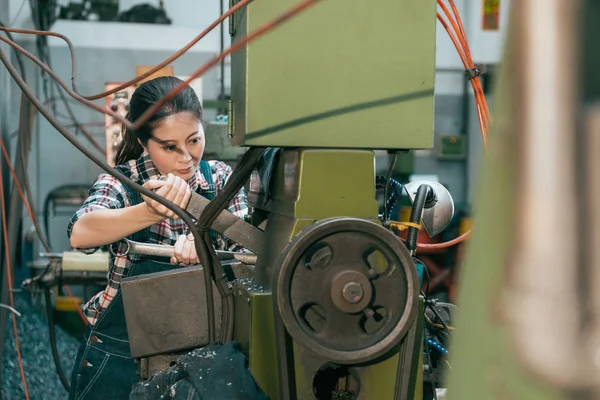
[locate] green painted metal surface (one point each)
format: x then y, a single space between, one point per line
310 185
263 364
344 74
380 380
255 331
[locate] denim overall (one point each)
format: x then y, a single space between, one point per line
104 368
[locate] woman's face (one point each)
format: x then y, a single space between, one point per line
177 145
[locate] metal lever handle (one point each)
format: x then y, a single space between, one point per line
159 250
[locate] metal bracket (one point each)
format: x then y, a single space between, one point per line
437 216
478 70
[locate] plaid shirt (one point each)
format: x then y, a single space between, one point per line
109 193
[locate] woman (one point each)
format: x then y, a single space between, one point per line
164 154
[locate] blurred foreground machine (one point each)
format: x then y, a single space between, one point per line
531 302
335 298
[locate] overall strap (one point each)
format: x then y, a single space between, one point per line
134 199
206 171
209 194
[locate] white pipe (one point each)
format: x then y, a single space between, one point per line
10 308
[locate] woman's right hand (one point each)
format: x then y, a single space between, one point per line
174 189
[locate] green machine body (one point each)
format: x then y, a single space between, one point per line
343 74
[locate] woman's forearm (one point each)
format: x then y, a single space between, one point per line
103 227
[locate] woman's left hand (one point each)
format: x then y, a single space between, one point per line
185 251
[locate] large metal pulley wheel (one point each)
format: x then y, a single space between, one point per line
347 290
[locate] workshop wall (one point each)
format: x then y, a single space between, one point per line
111 51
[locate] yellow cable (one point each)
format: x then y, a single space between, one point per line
450 328
404 225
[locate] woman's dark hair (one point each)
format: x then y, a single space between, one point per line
144 97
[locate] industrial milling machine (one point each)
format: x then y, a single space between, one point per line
333 302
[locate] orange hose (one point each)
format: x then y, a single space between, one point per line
459 39
10 286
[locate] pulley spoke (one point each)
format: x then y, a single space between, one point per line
348 248
344 329
390 289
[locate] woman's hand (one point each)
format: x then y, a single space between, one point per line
174 189
185 251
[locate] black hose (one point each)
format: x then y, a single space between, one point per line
415 216
394 195
206 251
49 311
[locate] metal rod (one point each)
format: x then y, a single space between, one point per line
157 250
18 314
50 255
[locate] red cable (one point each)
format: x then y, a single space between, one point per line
10 286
